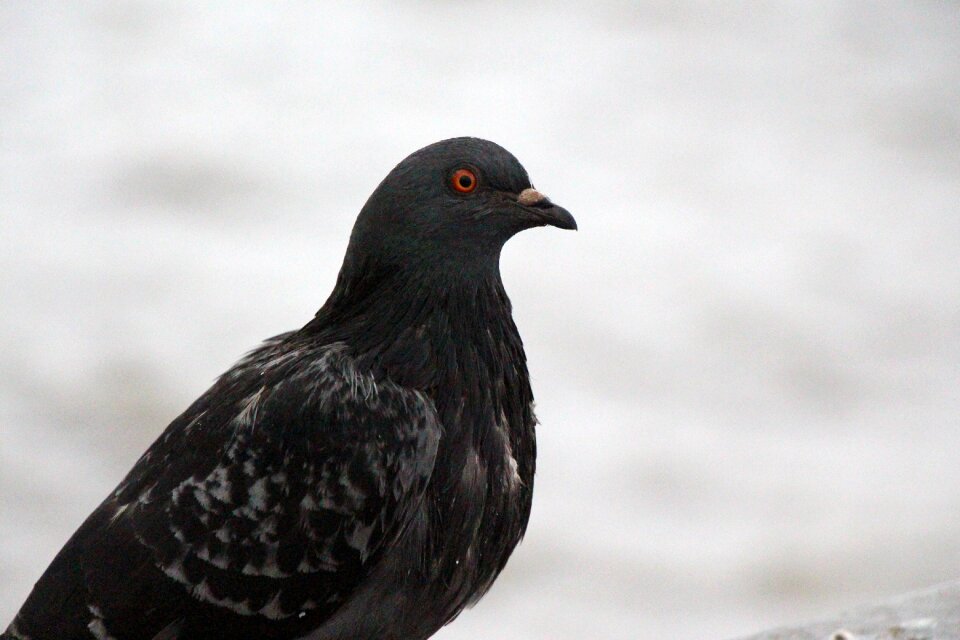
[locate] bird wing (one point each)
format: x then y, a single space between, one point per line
257 512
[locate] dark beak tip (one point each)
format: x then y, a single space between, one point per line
562 219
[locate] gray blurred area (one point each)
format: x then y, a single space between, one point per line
931 614
747 361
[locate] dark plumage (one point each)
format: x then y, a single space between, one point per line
364 477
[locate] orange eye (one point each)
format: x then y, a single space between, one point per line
464 180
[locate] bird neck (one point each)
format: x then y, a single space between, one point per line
421 327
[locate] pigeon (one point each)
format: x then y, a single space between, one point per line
364 477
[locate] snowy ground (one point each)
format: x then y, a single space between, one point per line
747 362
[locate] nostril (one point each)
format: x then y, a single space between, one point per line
531 197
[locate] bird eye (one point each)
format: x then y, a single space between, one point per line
463 180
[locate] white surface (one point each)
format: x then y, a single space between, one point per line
747 362
931 614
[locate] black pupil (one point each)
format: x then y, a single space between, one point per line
466 181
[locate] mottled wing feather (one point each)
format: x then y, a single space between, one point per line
259 510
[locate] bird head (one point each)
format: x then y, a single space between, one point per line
451 205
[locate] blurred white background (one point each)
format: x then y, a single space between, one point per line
747 362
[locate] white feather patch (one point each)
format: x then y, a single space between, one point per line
96 626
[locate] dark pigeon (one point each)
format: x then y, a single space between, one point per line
364 477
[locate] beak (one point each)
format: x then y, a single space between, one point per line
544 211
